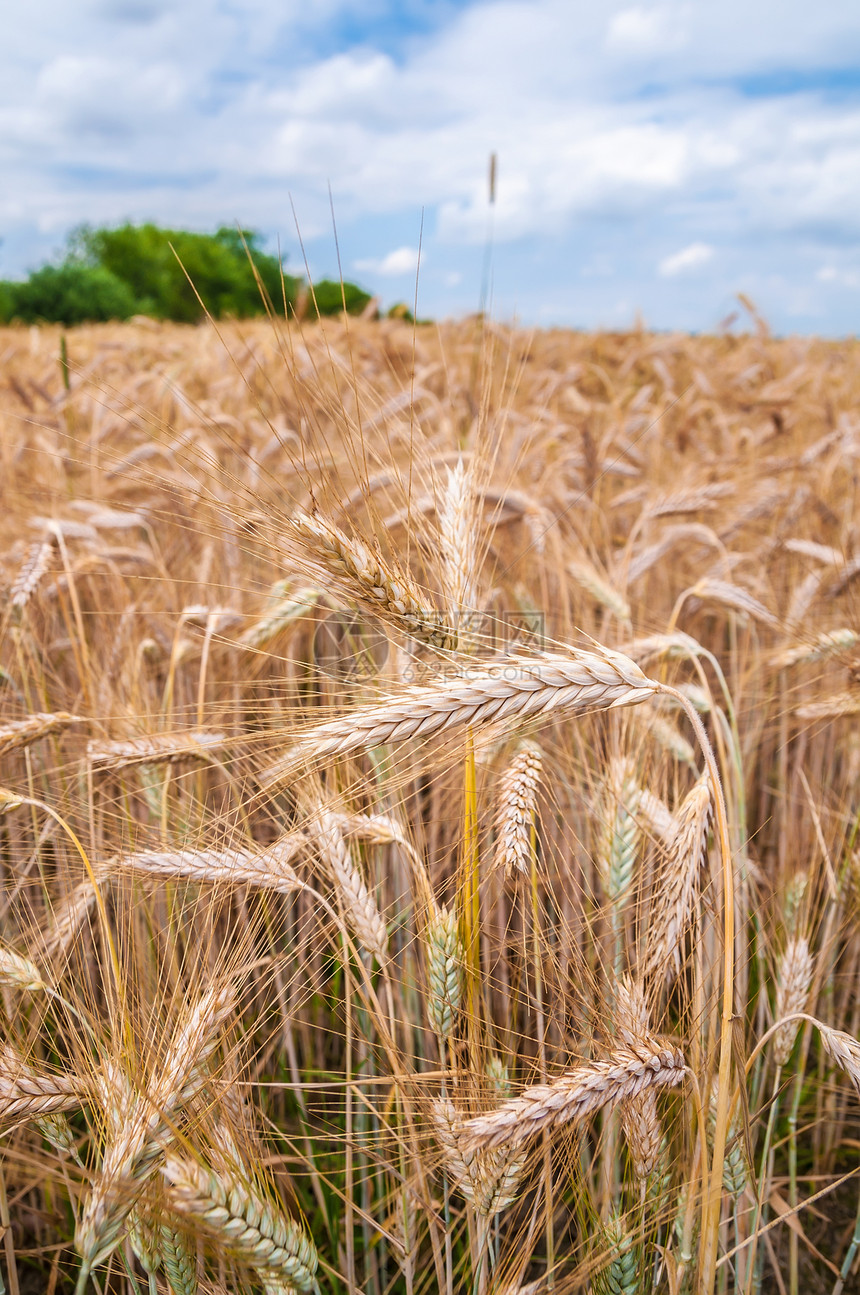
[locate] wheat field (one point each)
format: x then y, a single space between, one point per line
428 810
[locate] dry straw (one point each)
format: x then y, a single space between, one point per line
499 694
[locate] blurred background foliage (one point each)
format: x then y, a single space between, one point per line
131 270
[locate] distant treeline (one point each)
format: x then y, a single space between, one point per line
168 274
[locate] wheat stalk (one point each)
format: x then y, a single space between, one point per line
497 695
245 1224
577 1094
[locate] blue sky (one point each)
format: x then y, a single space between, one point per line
654 159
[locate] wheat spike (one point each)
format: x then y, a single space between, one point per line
22 732
488 1180
844 1049
155 748
144 1233
676 893
600 589
794 976
735 1173
516 809
445 960
503 693
639 1117
457 547
270 869
738 599
138 1128
621 1275
19 971
252 1228
358 904
323 551
836 706
284 611
178 1259
27 1094
616 854
825 645
577 1094
27 581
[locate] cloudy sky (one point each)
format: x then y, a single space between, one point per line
652 157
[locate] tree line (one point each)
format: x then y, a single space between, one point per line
171 274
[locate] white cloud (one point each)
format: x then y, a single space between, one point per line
641 30
842 278
403 260
688 258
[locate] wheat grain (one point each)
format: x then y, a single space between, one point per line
577 1094
497 695
457 547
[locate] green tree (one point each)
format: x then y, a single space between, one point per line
330 296
161 265
71 293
